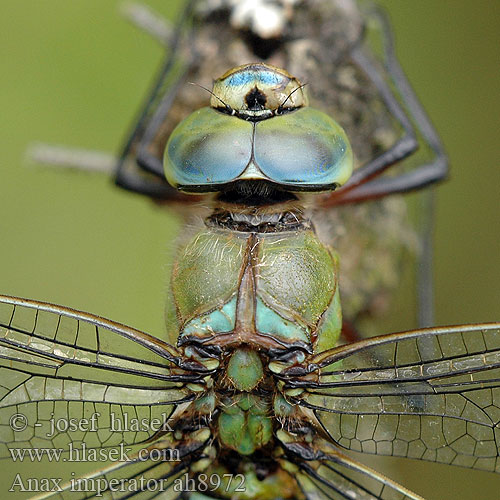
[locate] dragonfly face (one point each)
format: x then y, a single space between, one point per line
257 91
258 129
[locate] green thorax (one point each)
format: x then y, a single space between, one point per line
258 277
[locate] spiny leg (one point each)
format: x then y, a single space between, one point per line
367 187
404 147
422 176
367 176
365 183
134 179
125 175
145 159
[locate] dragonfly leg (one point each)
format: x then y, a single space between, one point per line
124 176
144 172
145 159
366 187
132 178
362 186
422 176
405 146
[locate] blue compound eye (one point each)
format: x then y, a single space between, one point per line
206 149
258 129
303 149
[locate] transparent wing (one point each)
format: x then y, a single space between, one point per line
431 394
141 477
138 479
109 384
336 476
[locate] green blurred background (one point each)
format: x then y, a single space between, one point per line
74 73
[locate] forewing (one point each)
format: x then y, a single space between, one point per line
98 377
431 394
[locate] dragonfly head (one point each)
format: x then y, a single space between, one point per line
258 130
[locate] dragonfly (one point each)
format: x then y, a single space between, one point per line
253 396
253 387
303 389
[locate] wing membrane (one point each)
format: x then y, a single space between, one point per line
431 394
112 383
336 476
138 479
152 472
